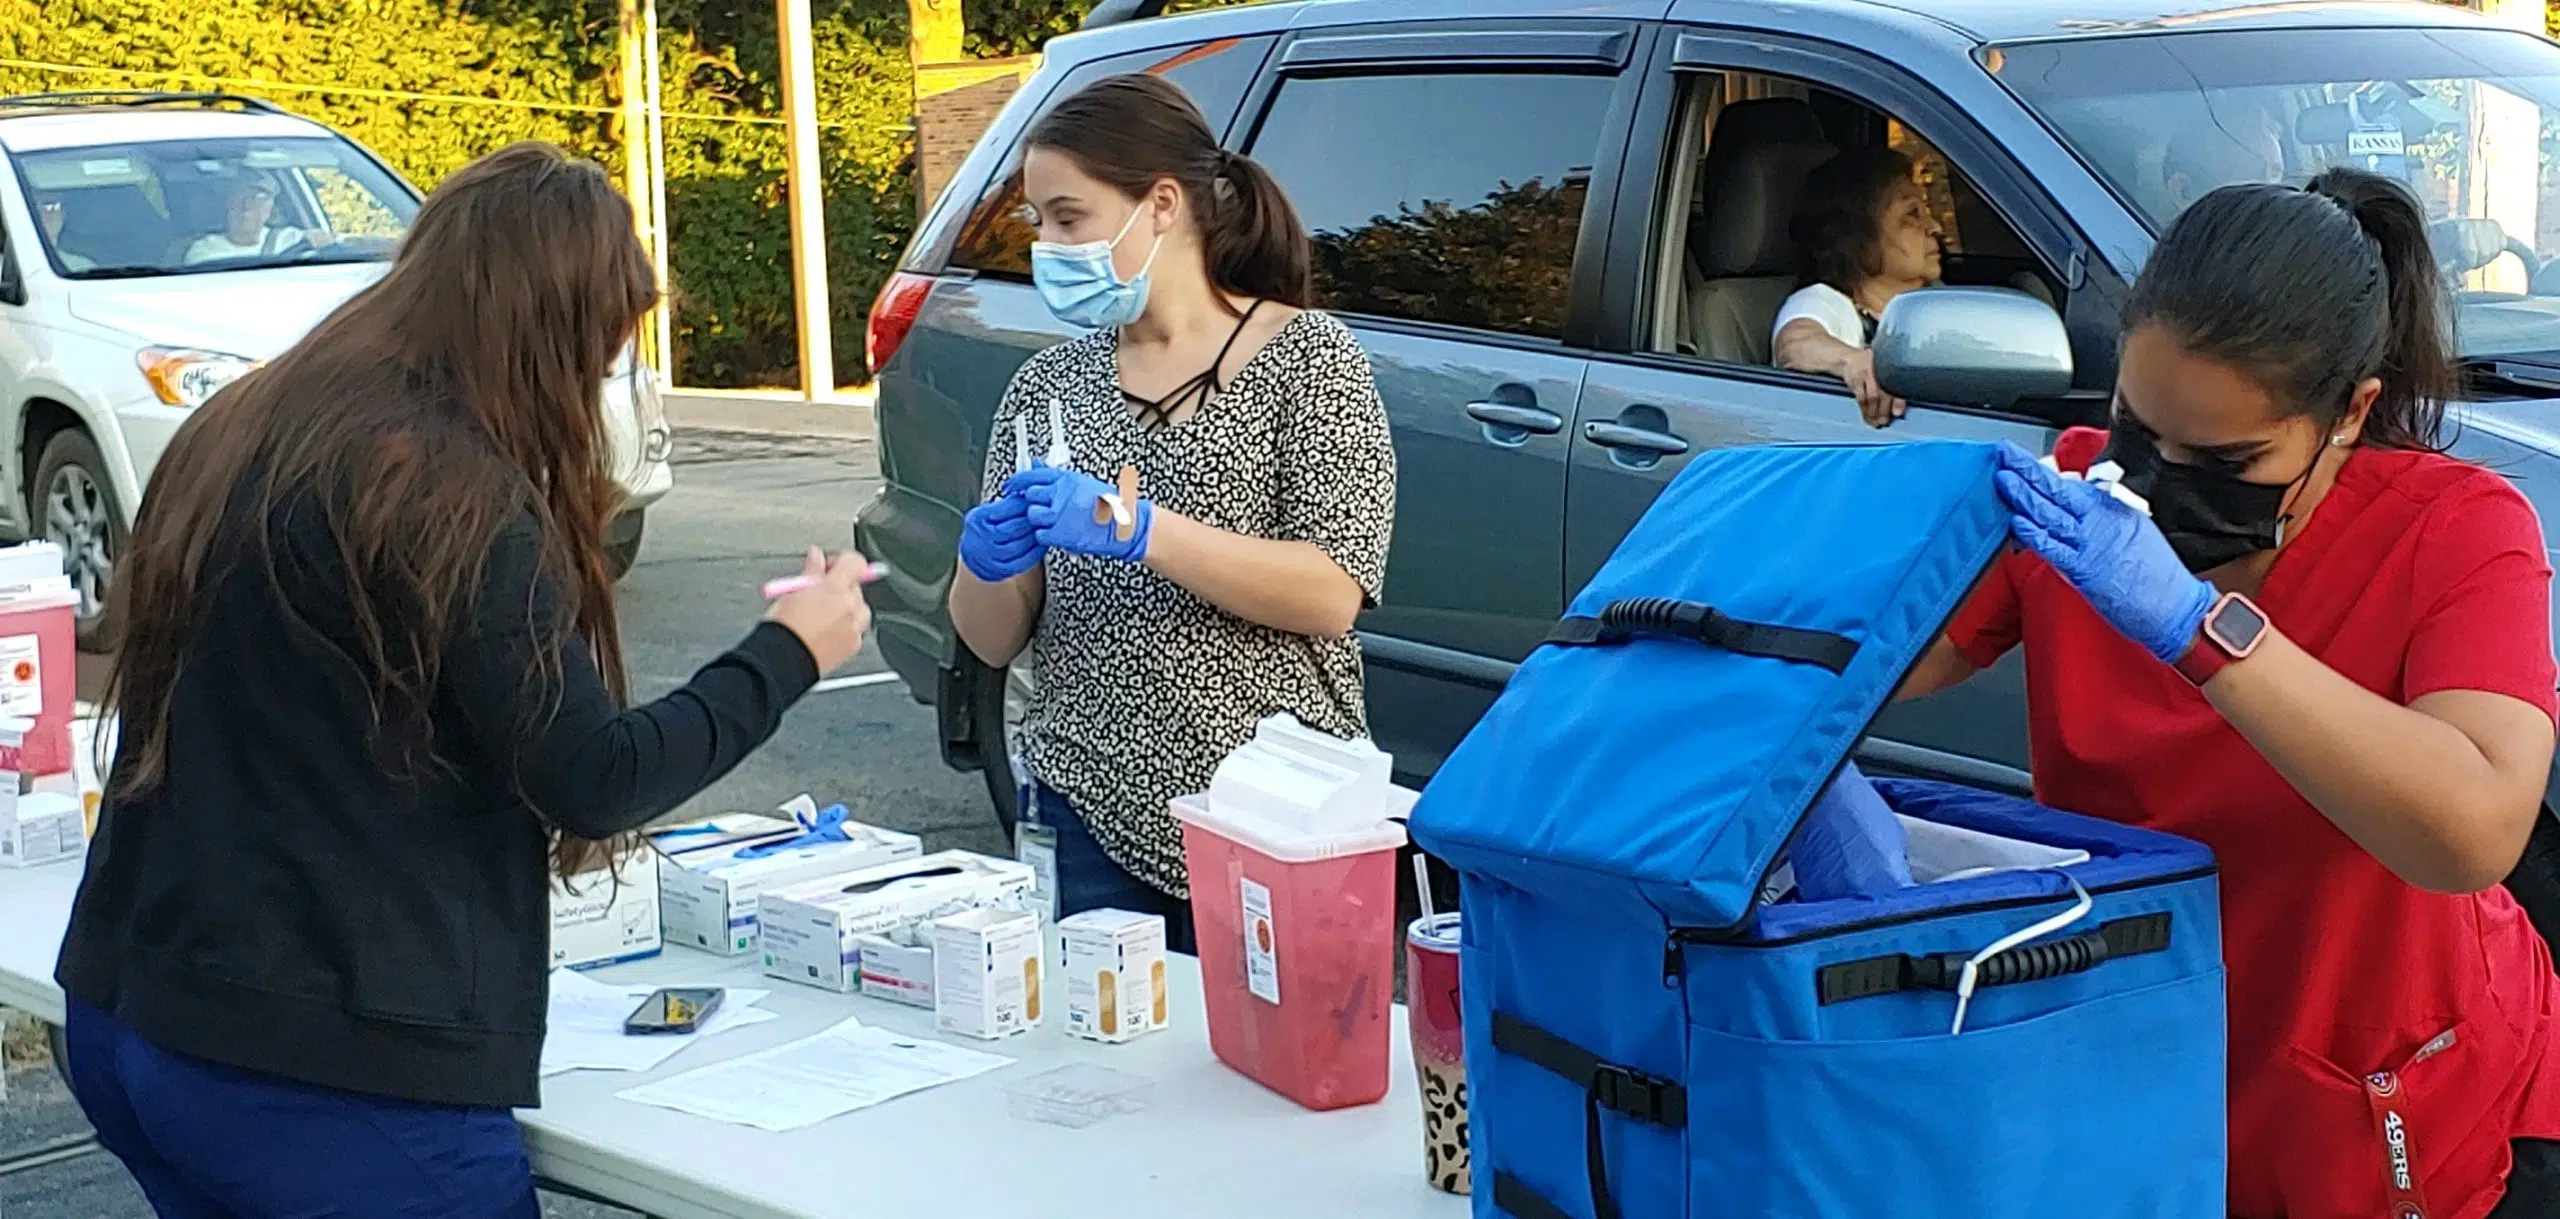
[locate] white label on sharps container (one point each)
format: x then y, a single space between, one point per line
21 678
1261 944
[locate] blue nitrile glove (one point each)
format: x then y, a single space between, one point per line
2113 554
1850 844
827 827
997 539
1062 504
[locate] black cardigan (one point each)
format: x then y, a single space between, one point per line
289 902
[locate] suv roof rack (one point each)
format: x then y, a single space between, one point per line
1113 12
123 99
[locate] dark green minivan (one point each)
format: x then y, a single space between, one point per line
1559 228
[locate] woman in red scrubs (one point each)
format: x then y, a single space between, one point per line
2327 655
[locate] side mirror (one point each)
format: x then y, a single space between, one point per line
1987 347
13 287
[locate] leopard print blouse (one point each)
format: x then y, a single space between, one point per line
1140 687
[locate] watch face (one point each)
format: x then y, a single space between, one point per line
2236 625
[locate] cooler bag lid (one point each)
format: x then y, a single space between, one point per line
1715 674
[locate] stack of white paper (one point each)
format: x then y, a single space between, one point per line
586 1025
850 1066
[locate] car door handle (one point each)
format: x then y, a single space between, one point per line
1620 436
1530 419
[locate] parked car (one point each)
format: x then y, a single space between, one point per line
1560 230
154 247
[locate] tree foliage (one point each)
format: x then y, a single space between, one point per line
548 69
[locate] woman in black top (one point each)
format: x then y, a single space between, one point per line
370 694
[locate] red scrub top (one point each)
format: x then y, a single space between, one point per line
2417 573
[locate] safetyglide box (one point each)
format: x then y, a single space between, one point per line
606 916
711 873
811 932
1655 1027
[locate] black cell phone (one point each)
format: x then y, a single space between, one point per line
674 1009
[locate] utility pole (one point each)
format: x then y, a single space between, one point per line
808 200
2502 167
659 220
638 154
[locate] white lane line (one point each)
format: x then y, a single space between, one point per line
855 682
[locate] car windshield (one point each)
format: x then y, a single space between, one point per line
183 207
2469 118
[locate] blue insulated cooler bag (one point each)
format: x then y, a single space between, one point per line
1658 1025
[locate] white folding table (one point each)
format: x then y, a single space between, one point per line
1211 1143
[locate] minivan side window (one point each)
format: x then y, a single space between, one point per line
996 239
1441 197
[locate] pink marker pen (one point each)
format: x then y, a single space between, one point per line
784 586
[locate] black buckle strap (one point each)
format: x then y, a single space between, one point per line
1623 620
1626 1090
1871 976
1604 1084
1512 1196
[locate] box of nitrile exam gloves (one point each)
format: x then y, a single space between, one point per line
811 932
710 873
605 916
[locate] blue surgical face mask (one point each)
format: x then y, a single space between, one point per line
1081 285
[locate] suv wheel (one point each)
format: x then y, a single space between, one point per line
75 508
996 707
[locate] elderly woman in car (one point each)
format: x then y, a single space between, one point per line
1864 234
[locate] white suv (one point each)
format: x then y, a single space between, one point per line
153 247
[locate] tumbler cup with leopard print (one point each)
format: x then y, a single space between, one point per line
1439 1047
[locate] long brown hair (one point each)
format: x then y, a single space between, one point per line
452 398
1130 132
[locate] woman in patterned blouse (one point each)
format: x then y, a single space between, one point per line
1227 590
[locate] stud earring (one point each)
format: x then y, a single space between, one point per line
2340 438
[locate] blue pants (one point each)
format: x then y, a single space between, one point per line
206 1141
1089 879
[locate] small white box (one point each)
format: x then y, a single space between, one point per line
40 828
1112 962
899 973
707 894
606 916
808 929
986 973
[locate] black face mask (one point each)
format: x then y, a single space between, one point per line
2210 517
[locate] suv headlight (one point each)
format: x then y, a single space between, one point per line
182 376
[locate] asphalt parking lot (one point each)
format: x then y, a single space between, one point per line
743 506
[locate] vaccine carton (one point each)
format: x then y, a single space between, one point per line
606 916
897 965
712 873
1112 963
986 973
810 931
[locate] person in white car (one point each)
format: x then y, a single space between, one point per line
247 230
49 208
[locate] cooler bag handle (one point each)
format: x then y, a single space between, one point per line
1842 981
1604 1084
1704 623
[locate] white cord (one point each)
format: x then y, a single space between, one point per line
1972 968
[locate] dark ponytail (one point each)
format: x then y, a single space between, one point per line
1130 132
2312 291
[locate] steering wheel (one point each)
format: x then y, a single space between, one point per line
2464 244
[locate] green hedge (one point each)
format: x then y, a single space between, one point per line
729 230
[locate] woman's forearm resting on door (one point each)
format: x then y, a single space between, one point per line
1287 586
2442 791
1804 346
